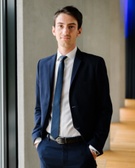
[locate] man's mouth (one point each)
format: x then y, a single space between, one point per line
65 37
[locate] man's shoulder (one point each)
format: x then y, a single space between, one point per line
48 58
91 57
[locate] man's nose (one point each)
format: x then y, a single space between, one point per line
65 30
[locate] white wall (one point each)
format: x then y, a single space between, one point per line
102 35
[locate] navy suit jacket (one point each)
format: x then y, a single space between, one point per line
89 98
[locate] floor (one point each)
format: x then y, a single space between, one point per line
122 136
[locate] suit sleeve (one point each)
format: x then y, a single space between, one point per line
37 115
104 107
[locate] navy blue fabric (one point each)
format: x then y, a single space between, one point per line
54 155
89 98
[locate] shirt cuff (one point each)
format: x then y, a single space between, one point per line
94 150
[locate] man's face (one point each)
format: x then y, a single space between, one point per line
66 31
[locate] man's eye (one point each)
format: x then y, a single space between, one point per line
71 27
60 26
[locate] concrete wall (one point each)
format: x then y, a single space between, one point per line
102 35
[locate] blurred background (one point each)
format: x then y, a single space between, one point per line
25 37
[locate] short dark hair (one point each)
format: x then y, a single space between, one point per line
73 11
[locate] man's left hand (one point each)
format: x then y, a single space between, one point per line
93 154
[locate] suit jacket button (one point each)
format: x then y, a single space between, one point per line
73 107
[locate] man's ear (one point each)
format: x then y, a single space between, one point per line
79 31
53 30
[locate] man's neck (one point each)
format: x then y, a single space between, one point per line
65 51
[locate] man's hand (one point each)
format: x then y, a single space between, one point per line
37 141
93 154
36 145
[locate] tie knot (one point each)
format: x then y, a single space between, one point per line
62 58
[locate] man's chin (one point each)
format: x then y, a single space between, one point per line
66 44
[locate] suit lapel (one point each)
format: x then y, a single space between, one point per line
51 68
76 65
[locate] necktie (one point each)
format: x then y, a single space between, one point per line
57 100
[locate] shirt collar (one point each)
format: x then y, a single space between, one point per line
70 55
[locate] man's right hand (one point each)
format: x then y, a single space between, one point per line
37 141
36 144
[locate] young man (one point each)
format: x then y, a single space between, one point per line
73 107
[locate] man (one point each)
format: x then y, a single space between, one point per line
72 118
